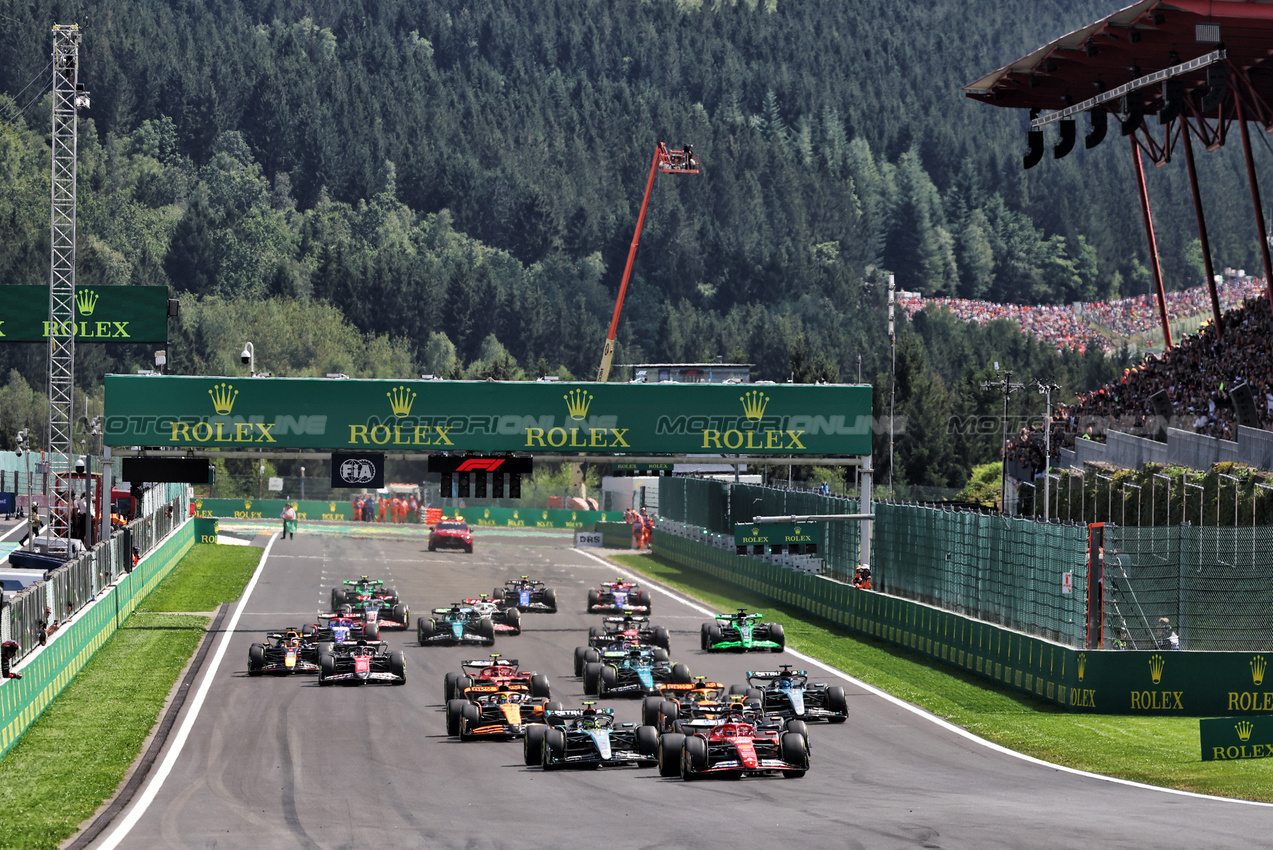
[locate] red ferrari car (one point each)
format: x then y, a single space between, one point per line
737 746
451 534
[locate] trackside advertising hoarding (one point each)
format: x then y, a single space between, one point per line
119 314
487 416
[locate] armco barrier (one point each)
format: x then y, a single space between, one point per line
52 668
1094 681
267 509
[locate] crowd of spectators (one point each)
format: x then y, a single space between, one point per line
1101 323
1198 376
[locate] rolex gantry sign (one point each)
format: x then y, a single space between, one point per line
488 416
120 314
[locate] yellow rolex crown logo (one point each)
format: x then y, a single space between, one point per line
577 402
86 301
754 404
223 396
1245 728
247 504
400 401
1082 665
755 531
1156 665
544 515
331 507
796 529
198 503
486 514
1257 669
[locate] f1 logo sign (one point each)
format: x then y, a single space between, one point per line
480 464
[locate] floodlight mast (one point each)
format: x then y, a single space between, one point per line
673 162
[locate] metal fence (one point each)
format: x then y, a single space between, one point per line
67 589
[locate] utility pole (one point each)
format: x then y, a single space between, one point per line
68 98
1046 391
1007 387
892 392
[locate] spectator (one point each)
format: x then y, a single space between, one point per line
8 650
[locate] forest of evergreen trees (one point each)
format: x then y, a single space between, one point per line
383 186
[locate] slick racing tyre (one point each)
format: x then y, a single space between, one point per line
554 748
425 629
539 688
794 749
778 636
837 703
669 754
693 757
533 744
256 659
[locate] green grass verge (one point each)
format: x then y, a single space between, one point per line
1156 750
77 752
206 577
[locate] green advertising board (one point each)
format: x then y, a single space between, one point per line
120 314
487 416
1229 738
777 533
270 509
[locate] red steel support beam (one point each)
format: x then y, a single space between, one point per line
1207 268
1255 197
1153 244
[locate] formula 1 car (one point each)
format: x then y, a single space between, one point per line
588 738
742 632
787 693
501 710
341 627
622 633
526 594
495 670
733 747
287 652
619 595
361 662
453 626
631 672
506 620
451 533
697 699
370 595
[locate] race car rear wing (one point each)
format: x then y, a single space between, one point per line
630 619
693 686
489 662
774 674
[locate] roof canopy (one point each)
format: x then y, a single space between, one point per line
1134 42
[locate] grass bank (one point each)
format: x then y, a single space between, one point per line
74 757
1156 750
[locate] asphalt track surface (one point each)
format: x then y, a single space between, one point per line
279 762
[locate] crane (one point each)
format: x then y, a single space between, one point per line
683 161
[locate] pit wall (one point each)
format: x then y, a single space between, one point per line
46 672
1193 684
482 517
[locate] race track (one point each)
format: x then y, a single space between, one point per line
282 763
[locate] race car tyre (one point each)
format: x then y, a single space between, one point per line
594 599
533 744
513 618
595 632
338 598
737 690
553 705
662 638
469 549
425 628
591 678
256 659
392 593
326 667
609 677
497 596
650 708
432 548
554 748
371 631
324 648
714 636
550 599
693 757
681 675
794 749
647 740
448 687
469 714
401 614
659 654
668 713
778 636
462 684
592 654
800 728
307 630
754 693
669 753
837 703
486 630
398 666
580 652
643 599
454 711
539 686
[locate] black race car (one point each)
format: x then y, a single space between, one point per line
361 662
284 652
526 594
587 737
341 627
619 596
631 672
622 633
787 693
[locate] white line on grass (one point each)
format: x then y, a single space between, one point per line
926 715
174 752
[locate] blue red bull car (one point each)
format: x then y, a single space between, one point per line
619 596
526 594
283 652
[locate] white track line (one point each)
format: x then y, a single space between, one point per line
174 751
926 715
